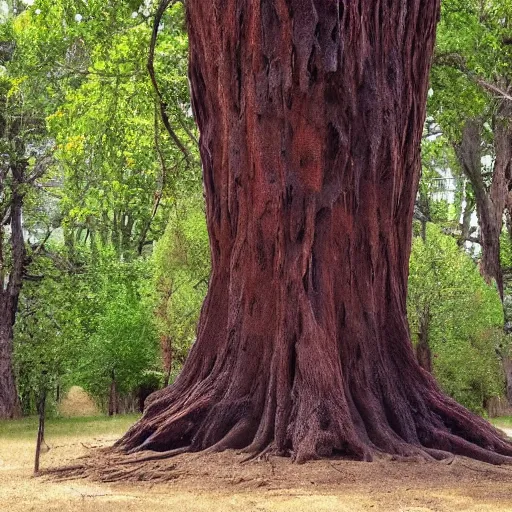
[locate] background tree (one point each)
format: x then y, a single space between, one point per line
473 106
181 278
80 71
25 157
118 357
456 320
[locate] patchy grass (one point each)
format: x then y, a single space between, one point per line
504 421
219 483
60 427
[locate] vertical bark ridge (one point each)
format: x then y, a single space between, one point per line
10 289
311 114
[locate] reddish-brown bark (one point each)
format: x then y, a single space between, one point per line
311 114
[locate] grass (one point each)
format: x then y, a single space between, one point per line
219 483
87 426
504 421
26 428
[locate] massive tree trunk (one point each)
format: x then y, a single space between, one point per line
311 115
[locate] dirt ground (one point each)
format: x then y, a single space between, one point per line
220 482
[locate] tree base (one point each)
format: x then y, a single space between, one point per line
420 424
212 470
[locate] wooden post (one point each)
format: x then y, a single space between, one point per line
41 406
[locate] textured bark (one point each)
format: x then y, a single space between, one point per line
507 367
490 200
311 115
9 405
10 288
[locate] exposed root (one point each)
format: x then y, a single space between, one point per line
154 456
440 455
112 467
258 456
438 430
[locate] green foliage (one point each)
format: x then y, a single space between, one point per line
181 275
78 74
47 333
465 318
470 48
86 324
119 342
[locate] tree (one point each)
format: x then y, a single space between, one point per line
311 116
455 316
74 84
120 346
48 330
12 268
472 73
473 104
181 278
24 159
127 166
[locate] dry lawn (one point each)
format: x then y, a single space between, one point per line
220 483
77 403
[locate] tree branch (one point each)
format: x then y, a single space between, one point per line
39 169
162 7
458 62
159 192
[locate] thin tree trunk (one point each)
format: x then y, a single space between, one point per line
113 404
9 296
166 349
41 409
423 351
465 225
507 367
490 201
311 115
